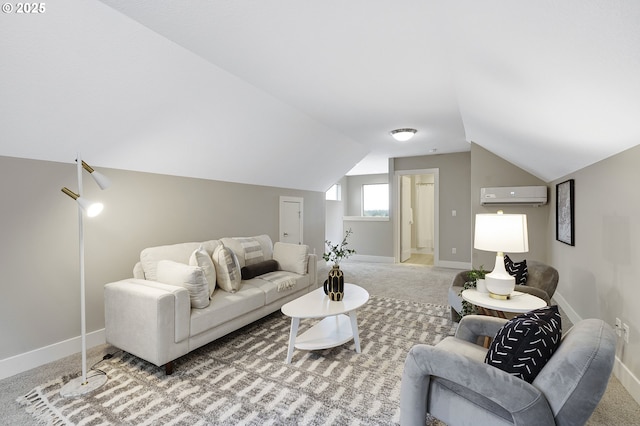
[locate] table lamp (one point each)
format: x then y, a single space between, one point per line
501 233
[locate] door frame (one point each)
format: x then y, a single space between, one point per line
287 199
436 211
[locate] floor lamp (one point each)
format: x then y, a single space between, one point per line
83 385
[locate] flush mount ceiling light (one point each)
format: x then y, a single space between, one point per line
403 135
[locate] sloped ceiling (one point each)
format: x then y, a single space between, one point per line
297 94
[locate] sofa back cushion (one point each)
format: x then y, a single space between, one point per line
291 257
181 253
250 250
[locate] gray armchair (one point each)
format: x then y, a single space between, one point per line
541 282
452 383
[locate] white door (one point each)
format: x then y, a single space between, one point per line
406 215
291 220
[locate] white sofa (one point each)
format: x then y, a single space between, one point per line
156 321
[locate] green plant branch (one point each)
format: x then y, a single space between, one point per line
336 252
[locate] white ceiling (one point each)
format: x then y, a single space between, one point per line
296 94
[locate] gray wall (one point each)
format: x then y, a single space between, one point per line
454 187
370 238
599 275
335 211
488 170
39 228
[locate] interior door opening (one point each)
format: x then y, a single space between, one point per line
418 217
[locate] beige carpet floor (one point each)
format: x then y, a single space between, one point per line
419 283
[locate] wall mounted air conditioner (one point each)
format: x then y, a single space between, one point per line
531 195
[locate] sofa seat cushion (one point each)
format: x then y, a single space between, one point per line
225 306
270 288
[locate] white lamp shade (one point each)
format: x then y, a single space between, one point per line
102 181
92 209
501 233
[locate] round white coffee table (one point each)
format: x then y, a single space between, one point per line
339 324
518 302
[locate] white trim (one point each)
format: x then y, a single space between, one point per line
372 259
566 307
37 357
628 380
366 218
436 211
453 265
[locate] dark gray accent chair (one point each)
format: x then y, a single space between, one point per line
452 383
541 282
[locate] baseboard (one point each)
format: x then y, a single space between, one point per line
37 357
566 307
373 259
452 264
628 380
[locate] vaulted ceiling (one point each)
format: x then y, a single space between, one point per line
298 93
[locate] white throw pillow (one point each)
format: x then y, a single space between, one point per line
227 269
291 257
180 252
190 277
201 258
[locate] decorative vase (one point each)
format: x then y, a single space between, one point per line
334 285
481 285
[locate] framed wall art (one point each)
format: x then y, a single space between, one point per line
565 226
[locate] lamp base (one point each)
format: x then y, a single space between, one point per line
499 283
77 387
499 296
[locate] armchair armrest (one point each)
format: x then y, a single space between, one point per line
147 318
526 404
535 291
472 327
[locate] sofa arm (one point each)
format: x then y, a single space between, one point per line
147 319
526 404
312 270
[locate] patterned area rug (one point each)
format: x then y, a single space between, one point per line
242 378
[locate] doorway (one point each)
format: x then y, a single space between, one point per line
291 220
417 228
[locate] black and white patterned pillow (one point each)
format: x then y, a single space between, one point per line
518 270
524 344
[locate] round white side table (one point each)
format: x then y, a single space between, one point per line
518 302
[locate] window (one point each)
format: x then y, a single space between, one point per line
333 193
375 199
